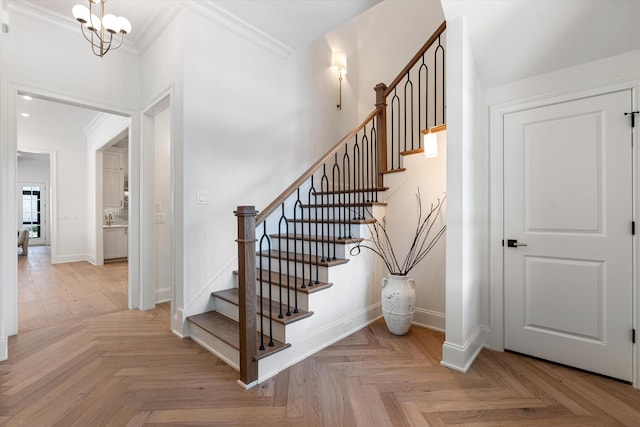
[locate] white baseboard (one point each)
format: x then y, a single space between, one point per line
429 319
62 259
163 295
3 348
460 358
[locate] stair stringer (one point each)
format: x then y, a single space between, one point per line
348 306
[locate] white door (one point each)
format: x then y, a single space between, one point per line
568 198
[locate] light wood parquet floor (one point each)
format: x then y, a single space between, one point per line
125 368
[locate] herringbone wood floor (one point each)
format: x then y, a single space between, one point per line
125 368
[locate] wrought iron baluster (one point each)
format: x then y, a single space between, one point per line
283 219
335 178
408 111
324 189
422 68
265 238
312 190
395 105
374 175
298 204
346 185
435 92
367 154
356 177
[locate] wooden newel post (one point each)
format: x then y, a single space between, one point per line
381 131
247 293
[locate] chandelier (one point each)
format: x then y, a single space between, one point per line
101 30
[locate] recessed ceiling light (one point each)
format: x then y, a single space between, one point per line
27 98
24 114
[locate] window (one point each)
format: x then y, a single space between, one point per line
31 214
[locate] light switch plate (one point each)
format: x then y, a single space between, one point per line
202 197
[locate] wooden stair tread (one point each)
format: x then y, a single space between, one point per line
275 280
393 171
333 221
360 190
346 205
233 296
307 259
325 239
228 330
411 152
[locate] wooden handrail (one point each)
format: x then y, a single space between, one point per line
298 182
415 58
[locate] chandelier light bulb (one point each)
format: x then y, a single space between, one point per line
81 13
125 25
94 23
111 23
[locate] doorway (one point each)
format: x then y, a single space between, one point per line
567 255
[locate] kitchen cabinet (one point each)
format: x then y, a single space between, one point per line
113 179
116 244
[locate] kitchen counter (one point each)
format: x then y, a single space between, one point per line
115 226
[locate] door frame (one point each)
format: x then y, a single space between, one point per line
8 211
496 200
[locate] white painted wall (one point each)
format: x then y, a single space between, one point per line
70 215
389 34
466 204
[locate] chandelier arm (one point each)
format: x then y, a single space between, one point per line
119 44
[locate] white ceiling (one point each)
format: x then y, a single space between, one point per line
292 22
516 39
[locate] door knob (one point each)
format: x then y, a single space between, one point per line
511 243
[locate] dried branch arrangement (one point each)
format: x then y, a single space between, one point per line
423 240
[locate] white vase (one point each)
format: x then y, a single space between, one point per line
398 303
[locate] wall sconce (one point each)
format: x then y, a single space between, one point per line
430 140
339 63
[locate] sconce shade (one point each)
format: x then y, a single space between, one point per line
339 61
430 144
430 140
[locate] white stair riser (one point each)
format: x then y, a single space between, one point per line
328 230
231 311
303 301
276 265
309 247
224 351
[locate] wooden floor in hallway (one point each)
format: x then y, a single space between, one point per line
125 368
49 294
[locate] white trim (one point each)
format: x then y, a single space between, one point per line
429 319
163 295
220 16
496 185
460 358
62 259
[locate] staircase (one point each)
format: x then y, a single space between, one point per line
299 288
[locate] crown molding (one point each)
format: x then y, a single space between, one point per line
155 26
220 16
30 9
